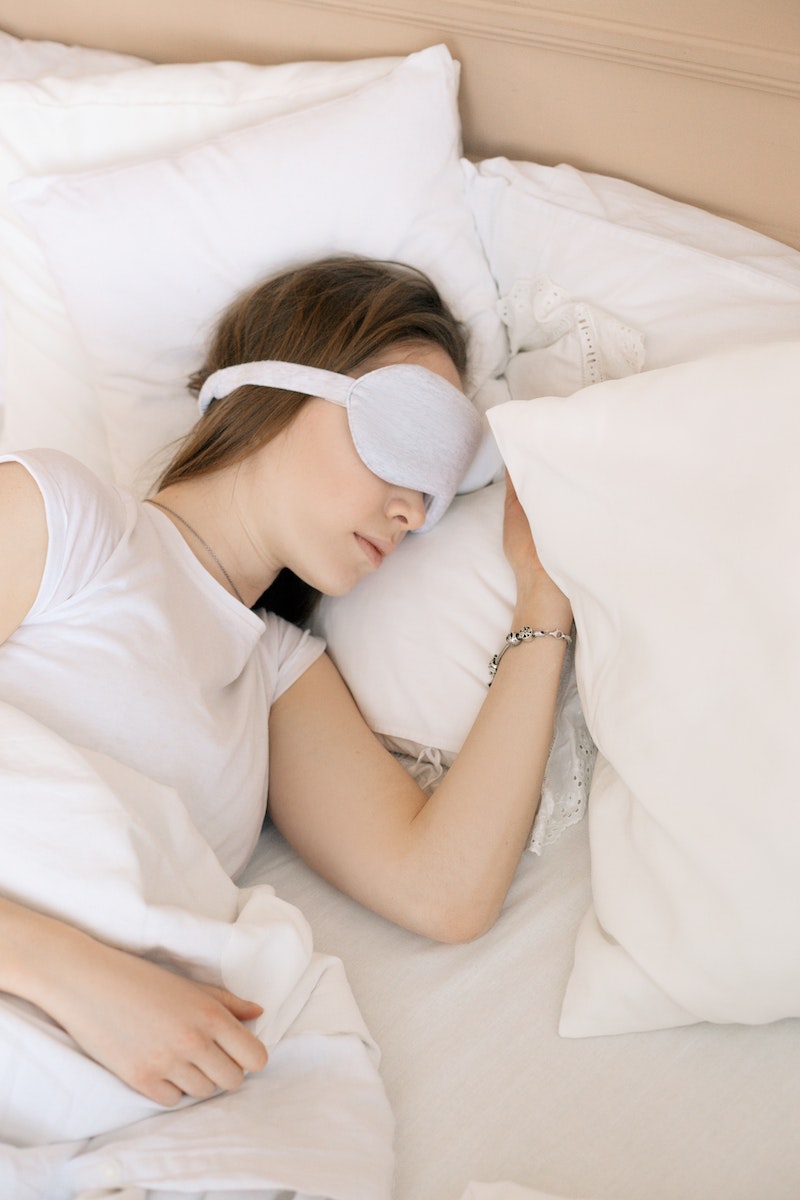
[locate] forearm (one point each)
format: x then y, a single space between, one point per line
158 1031
470 834
440 865
33 947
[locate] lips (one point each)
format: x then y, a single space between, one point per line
374 552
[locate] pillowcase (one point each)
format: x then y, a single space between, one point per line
620 203
666 506
28 58
21 59
414 639
559 345
690 282
69 108
148 254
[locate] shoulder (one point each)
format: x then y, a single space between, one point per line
18 489
23 544
22 510
80 518
77 504
288 649
54 472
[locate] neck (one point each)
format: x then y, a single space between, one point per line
209 550
207 516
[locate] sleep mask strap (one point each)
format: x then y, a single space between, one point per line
292 377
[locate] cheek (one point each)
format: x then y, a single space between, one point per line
349 495
336 490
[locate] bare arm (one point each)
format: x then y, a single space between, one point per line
23 545
441 866
161 1033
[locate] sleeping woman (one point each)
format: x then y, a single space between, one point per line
168 635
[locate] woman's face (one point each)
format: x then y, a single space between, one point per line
315 507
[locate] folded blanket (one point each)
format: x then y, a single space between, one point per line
91 841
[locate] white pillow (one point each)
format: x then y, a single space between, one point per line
27 58
667 506
414 641
73 109
690 282
148 254
618 202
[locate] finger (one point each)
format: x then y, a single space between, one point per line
512 501
240 1045
217 1065
513 510
192 1080
160 1091
243 1010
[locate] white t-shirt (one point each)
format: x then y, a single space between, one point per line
132 648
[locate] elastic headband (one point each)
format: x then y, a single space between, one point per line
409 425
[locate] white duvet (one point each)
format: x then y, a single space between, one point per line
116 854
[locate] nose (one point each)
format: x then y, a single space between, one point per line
407 508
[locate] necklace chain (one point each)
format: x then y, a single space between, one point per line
202 542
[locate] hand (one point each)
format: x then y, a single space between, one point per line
518 541
534 585
161 1033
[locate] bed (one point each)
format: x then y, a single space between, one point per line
621 239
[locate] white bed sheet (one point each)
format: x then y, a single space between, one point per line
484 1089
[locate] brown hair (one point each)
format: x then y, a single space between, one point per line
335 314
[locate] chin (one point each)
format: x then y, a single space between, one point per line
341 589
336 586
336 576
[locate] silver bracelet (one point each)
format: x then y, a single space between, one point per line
524 635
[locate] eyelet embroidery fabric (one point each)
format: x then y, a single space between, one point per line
568 774
539 314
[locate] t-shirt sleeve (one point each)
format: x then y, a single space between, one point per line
290 651
85 519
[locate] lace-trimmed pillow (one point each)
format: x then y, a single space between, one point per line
559 344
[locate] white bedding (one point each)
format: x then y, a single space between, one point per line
146 881
684 576
483 1090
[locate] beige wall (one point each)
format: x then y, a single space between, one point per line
699 99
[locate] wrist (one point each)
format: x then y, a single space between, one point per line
528 634
552 612
540 603
35 949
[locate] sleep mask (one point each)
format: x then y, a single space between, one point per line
409 425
